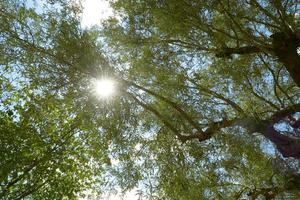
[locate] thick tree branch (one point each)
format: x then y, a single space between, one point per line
287 146
276 117
228 52
285 48
211 129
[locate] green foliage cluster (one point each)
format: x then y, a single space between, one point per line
184 124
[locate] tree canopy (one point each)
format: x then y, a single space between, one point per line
207 103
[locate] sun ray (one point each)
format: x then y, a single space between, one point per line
104 88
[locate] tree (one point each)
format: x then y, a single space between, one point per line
207 104
49 139
206 68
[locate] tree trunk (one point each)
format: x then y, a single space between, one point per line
287 146
285 48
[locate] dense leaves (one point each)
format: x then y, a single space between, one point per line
207 101
208 70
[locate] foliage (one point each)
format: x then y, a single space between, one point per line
205 107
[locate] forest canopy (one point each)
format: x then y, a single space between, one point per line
206 100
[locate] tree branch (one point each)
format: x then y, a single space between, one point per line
171 103
228 52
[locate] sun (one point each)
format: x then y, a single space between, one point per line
104 87
94 11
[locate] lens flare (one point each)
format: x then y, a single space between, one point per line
104 88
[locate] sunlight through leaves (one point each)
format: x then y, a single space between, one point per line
104 88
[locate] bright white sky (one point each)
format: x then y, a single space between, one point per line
93 12
131 195
104 88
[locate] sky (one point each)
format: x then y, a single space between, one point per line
93 12
131 195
